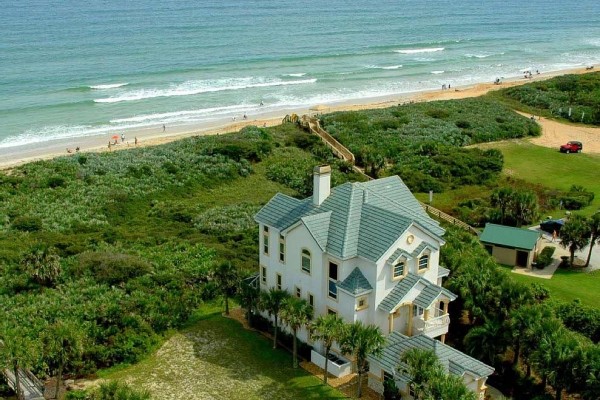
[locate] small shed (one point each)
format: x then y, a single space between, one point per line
511 246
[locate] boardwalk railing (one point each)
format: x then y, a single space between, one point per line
338 149
342 152
31 387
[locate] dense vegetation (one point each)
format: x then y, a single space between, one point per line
123 244
530 340
573 97
423 142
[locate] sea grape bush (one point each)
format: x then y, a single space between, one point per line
88 192
422 142
573 97
234 218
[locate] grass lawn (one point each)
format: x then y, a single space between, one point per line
568 285
215 358
548 167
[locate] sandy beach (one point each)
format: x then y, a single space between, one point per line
554 132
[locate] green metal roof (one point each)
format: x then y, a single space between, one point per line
356 283
453 361
427 295
364 219
508 236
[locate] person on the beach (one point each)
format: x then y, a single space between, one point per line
136 141
554 236
122 137
245 116
69 150
77 149
164 127
261 103
109 146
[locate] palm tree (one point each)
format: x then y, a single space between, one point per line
574 235
421 366
594 226
557 355
485 342
227 278
247 295
296 313
270 301
62 342
360 341
327 328
525 207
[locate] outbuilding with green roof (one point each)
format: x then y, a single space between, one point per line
510 245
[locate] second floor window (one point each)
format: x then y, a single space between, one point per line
332 281
423 262
266 240
399 269
306 261
417 311
281 249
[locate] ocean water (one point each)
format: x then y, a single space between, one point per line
70 69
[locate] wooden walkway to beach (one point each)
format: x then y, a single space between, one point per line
31 387
343 153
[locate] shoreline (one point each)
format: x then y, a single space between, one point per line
19 155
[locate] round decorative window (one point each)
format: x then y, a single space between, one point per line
409 239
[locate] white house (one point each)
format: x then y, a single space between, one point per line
368 252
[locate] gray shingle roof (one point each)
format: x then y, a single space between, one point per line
443 271
424 245
397 254
364 220
453 361
428 294
356 283
318 226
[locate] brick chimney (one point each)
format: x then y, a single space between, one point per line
321 184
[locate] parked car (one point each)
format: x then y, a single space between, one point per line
551 225
571 147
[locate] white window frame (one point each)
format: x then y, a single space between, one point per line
281 249
364 299
305 254
278 281
427 256
298 292
265 240
332 281
404 269
263 275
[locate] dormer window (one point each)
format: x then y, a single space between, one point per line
306 261
398 270
423 262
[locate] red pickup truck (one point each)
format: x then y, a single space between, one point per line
571 147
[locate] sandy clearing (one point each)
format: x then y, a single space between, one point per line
556 133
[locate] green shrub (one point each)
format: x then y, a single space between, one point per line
112 268
545 257
27 224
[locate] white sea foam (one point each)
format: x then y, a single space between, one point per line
176 115
204 86
108 86
297 75
388 67
437 72
424 50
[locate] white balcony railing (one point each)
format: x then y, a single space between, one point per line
436 323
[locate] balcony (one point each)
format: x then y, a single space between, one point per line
435 326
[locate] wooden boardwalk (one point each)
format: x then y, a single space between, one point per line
342 152
31 387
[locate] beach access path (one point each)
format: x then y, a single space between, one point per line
12 157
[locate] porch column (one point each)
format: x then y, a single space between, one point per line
445 303
391 319
410 320
426 315
443 338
